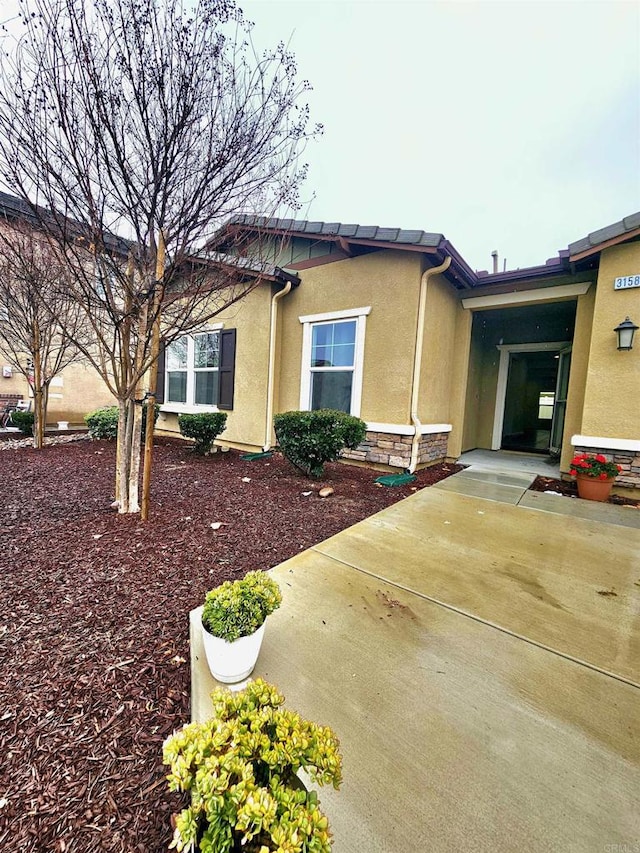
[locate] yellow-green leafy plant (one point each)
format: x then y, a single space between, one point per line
239 769
238 608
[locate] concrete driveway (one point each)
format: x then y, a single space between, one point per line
476 647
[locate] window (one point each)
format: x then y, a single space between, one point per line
105 280
332 353
546 399
192 369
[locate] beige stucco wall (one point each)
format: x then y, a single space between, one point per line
246 422
15 384
445 360
387 281
76 392
612 392
578 374
473 396
459 381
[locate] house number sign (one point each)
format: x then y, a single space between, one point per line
625 281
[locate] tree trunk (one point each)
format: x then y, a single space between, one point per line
134 465
128 456
152 381
38 408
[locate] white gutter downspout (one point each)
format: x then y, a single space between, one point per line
417 361
272 363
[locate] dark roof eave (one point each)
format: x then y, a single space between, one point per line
248 267
554 267
618 232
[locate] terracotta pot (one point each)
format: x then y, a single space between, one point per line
593 489
232 662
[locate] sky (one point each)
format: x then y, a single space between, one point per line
511 125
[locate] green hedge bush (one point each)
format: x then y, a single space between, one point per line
310 439
24 421
103 423
204 428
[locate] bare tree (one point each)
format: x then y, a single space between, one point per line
39 319
155 120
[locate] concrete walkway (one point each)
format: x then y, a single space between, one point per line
476 647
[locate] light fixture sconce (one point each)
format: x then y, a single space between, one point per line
625 332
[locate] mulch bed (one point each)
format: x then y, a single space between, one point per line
94 671
569 489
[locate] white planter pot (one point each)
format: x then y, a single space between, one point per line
232 662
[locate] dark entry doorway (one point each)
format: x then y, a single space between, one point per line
529 401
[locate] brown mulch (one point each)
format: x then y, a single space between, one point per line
569 489
94 670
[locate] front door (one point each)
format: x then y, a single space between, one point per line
560 404
530 401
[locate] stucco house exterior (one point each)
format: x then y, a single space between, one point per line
396 328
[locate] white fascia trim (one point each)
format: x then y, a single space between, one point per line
541 294
336 315
545 346
184 409
408 429
208 327
605 443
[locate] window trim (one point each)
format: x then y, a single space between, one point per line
190 407
308 321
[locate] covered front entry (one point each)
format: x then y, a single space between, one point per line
518 377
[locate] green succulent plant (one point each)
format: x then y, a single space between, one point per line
239 769
238 608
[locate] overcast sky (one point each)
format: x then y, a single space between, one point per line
508 125
504 125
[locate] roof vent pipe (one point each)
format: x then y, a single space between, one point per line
494 255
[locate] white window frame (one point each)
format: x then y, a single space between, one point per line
308 322
190 407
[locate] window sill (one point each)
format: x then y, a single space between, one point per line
186 409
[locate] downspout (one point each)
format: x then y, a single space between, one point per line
272 362
417 361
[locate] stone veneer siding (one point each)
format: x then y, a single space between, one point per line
629 461
384 448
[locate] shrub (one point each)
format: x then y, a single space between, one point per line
240 771
203 428
24 421
103 423
309 439
238 608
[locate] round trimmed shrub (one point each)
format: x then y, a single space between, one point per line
24 421
203 428
310 439
103 423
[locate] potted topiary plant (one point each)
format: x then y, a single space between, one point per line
240 771
594 475
233 624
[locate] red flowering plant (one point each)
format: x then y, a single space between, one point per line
596 466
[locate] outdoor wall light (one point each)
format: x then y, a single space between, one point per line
625 332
